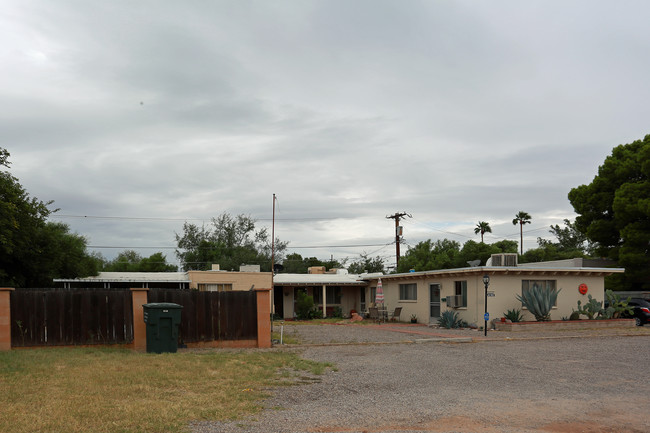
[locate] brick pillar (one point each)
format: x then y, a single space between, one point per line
139 296
5 318
263 318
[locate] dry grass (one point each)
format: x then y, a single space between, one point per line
107 390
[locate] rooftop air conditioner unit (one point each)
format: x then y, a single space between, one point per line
505 259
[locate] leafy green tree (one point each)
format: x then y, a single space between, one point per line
428 255
475 251
614 211
570 244
521 218
295 264
366 263
229 241
32 250
482 227
131 261
506 246
569 238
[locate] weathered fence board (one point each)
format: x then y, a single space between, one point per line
49 317
209 316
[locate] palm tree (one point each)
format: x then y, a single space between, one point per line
521 218
482 227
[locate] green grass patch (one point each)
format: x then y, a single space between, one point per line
110 390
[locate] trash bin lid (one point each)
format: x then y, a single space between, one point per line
162 305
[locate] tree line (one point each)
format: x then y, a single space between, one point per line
613 221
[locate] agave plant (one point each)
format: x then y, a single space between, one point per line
514 315
450 319
539 301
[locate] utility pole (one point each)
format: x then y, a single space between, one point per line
398 232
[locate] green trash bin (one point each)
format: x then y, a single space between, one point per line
163 320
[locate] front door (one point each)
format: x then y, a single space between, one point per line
434 302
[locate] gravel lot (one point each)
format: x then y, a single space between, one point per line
569 383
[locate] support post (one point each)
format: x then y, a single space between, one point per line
139 297
263 318
5 318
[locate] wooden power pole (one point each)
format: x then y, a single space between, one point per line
398 232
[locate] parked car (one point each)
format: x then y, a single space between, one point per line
641 310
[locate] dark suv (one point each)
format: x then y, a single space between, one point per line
641 312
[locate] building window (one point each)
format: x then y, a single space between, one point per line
333 295
529 284
215 287
460 292
408 292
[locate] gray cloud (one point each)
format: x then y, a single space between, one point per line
348 111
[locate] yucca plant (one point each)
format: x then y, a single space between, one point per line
539 301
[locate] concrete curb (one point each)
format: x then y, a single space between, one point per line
445 340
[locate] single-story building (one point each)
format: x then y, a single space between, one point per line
427 294
330 290
422 294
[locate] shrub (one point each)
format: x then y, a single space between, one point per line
449 319
539 301
337 312
305 309
514 315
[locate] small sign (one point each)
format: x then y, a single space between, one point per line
490 294
486 316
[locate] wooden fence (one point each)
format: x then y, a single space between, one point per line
212 316
57 317
64 317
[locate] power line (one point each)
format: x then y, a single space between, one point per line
288 247
123 218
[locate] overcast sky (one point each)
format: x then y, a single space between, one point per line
143 114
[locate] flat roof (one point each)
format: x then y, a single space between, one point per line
321 279
506 270
127 277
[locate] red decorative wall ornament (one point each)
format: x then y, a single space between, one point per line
582 288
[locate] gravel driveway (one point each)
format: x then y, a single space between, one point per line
578 384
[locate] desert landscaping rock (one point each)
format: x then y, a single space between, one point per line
567 383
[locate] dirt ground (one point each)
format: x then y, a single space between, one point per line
585 382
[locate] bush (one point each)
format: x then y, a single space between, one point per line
514 315
539 301
337 312
305 309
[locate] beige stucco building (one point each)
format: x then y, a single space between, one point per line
427 294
